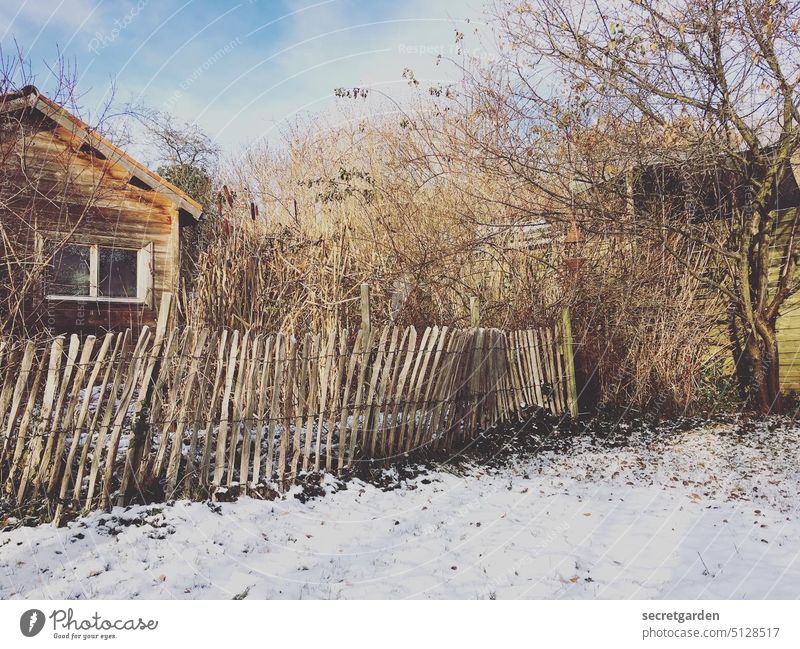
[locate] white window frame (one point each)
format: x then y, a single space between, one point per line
144 276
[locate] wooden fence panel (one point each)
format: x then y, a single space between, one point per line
190 412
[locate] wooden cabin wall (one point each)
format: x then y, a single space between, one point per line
57 191
789 320
788 325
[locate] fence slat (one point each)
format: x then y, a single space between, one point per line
278 424
388 379
300 386
285 363
68 422
406 400
19 387
365 414
192 463
248 412
397 400
427 405
535 370
377 416
413 434
51 387
335 404
351 367
236 407
182 351
311 399
212 408
363 359
222 432
145 407
543 358
57 432
555 375
9 358
325 378
90 429
443 389
261 409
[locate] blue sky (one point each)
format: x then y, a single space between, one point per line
239 69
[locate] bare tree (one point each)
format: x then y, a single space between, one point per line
185 154
187 157
686 112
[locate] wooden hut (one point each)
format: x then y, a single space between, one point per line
90 236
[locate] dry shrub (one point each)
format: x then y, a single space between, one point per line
649 330
297 231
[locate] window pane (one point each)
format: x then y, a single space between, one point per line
117 273
70 274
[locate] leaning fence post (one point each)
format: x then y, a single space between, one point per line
569 361
141 411
474 312
365 308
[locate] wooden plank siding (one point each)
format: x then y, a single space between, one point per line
789 319
57 189
788 326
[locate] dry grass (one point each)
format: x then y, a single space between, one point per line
358 203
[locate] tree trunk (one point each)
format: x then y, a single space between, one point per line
758 369
772 369
741 363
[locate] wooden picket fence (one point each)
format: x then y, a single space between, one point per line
117 419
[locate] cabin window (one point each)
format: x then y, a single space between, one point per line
71 271
101 273
117 272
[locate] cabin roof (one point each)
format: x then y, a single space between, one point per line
29 97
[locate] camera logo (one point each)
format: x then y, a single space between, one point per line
31 622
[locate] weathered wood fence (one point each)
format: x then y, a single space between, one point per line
102 421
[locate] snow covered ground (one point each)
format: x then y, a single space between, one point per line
709 513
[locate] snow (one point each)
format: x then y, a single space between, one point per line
707 513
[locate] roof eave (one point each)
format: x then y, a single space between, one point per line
33 99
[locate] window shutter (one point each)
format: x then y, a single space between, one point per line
144 274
